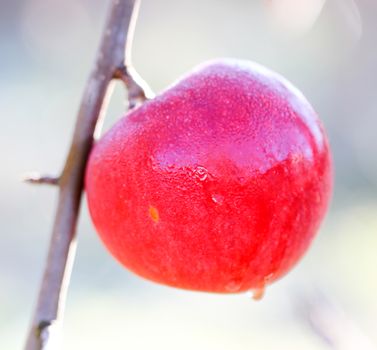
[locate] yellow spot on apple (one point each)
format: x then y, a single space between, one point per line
153 213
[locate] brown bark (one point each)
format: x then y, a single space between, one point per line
113 62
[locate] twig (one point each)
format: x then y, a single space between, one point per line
331 324
35 178
113 54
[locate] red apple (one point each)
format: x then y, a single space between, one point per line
218 184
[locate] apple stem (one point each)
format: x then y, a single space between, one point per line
114 52
138 90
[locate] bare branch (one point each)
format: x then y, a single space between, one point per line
114 52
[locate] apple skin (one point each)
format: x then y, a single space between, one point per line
218 184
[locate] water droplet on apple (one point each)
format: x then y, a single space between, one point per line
151 162
182 188
242 180
233 286
217 198
258 293
201 173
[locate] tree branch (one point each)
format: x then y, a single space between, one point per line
113 54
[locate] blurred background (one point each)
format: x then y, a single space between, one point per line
326 48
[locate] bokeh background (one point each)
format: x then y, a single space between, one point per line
327 48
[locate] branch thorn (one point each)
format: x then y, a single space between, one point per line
36 178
